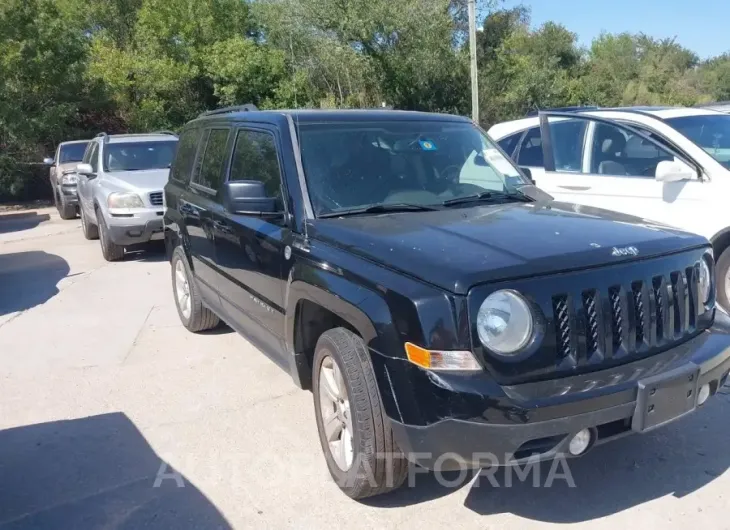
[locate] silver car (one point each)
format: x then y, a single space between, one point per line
120 182
63 177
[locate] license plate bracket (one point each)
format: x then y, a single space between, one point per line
666 397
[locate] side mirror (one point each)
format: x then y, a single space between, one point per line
248 197
48 161
84 169
526 171
673 171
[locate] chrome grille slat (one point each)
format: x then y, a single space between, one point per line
156 198
627 319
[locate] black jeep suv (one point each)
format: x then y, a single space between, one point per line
399 265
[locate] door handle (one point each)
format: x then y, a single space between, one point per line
575 188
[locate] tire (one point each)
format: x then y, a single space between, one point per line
722 270
91 231
110 250
199 318
65 211
378 465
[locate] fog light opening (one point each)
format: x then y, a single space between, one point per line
703 395
581 442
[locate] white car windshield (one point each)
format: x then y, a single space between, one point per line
351 166
710 131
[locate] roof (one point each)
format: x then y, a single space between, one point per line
333 115
506 128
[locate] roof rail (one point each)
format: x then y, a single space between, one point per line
104 136
236 108
576 108
165 132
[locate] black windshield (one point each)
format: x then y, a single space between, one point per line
139 156
710 131
72 153
349 166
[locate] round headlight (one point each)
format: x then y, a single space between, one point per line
504 322
705 283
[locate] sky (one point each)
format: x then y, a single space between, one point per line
703 26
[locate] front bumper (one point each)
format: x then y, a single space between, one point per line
133 234
462 420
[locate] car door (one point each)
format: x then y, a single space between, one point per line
614 168
250 249
85 182
199 202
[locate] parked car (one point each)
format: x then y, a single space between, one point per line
670 165
395 264
120 183
63 177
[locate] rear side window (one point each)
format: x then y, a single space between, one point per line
255 158
214 159
186 150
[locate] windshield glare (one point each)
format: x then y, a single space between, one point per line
349 166
711 132
72 153
139 156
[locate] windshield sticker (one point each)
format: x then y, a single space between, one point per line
427 145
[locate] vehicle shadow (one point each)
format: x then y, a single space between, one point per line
677 460
95 472
16 222
28 279
150 252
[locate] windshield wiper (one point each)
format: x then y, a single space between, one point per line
381 208
489 196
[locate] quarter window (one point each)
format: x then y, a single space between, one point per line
255 158
509 143
213 160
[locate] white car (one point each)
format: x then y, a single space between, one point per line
670 165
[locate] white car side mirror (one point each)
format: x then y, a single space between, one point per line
84 169
673 171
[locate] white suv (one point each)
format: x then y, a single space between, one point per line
670 165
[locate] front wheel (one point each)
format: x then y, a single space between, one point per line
65 211
358 445
91 231
110 250
722 275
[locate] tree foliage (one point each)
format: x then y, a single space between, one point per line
71 68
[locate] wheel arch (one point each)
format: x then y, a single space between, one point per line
319 300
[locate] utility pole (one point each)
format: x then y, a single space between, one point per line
473 60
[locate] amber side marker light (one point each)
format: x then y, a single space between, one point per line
463 361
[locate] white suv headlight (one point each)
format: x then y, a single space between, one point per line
124 200
505 323
69 179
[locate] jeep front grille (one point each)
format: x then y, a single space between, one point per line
156 198
625 319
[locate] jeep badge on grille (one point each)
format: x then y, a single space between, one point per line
625 251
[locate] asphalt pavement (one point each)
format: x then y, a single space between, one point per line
113 415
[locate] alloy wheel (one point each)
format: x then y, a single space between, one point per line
182 289
336 414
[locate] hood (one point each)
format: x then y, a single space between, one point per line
138 181
458 248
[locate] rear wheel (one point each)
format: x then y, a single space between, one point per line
722 273
358 445
193 314
110 250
